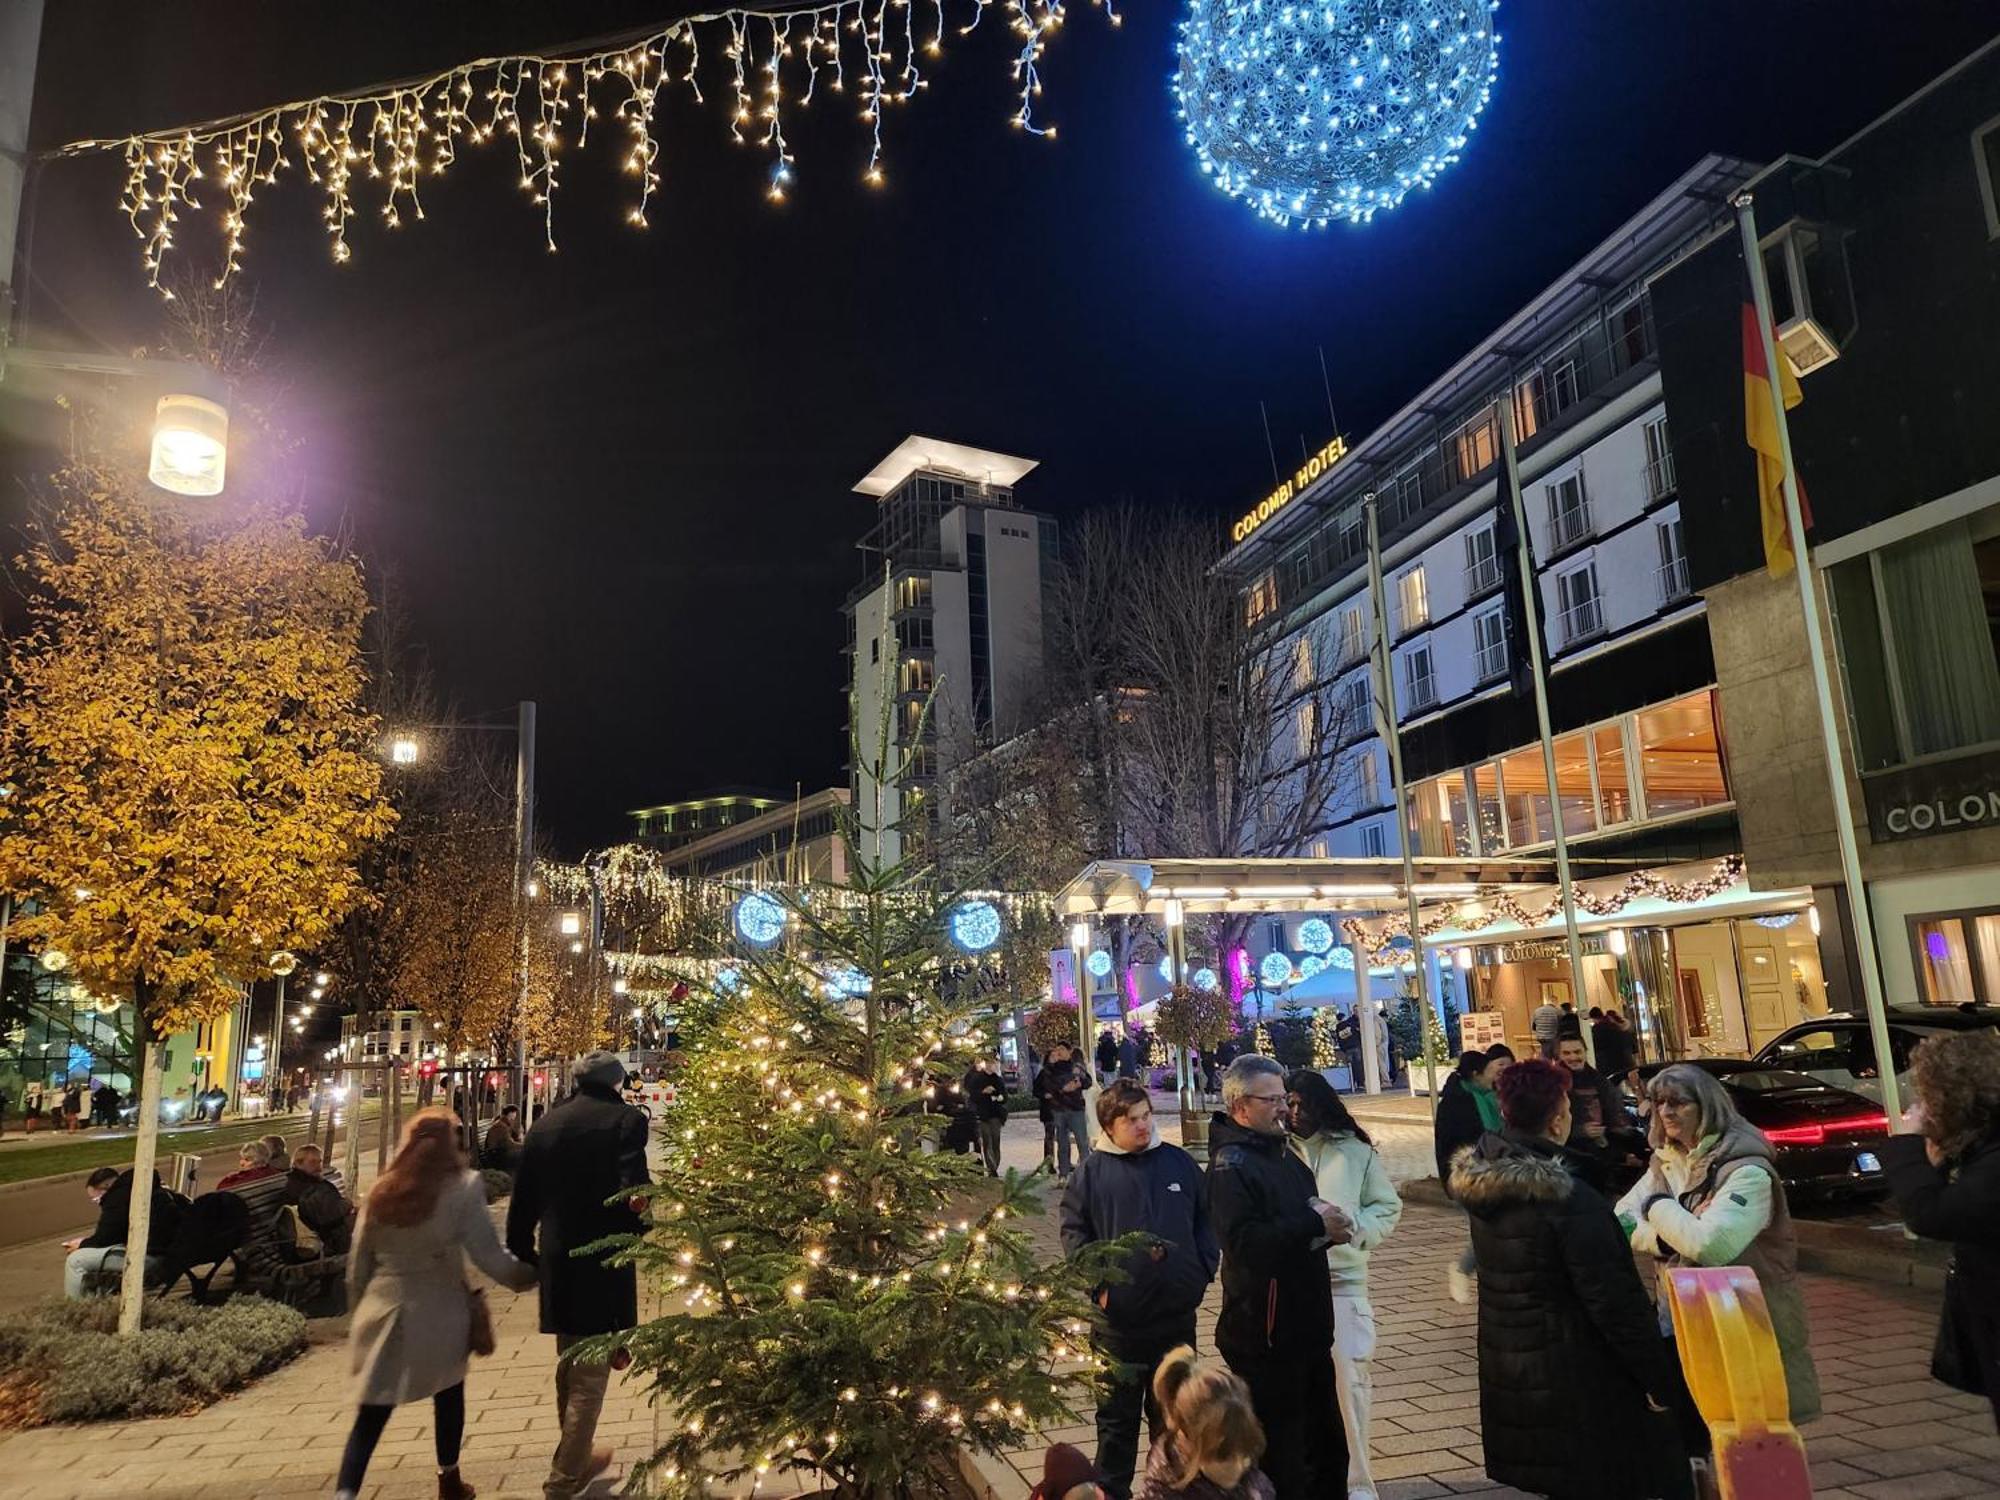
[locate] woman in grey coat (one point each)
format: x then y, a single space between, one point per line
412 1333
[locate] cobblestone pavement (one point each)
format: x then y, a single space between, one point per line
1890 1432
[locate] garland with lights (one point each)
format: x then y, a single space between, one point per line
1325 1045
386 142
1501 906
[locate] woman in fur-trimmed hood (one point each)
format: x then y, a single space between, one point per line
1579 1395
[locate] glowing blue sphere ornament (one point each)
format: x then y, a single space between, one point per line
1312 964
1207 980
1315 935
975 925
1317 110
1343 958
760 920
1099 962
1275 969
727 980
846 982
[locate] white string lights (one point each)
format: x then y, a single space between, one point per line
384 143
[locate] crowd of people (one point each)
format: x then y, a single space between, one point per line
1581 1392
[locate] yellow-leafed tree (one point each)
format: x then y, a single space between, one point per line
189 774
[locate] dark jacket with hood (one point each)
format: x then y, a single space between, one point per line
1157 1192
1062 1085
1569 1347
580 1154
1959 1202
1276 1298
114 1215
1457 1126
986 1092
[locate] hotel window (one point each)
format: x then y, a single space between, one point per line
1673 572
1578 614
1302 664
1958 956
1440 819
1475 445
1353 636
1306 728
1413 601
1569 511
1659 460
1614 775
1918 623
1680 757
1488 816
1356 711
1531 810
1373 844
1410 489
1986 159
1260 599
1419 681
1319 849
1489 645
1482 561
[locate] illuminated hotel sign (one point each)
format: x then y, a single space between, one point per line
1289 491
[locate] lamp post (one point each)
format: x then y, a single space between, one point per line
283 964
404 748
1086 1015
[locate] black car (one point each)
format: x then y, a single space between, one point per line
1825 1138
1837 1048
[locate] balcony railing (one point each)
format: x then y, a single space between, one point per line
1569 526
1581 621
1660 477
1673 577
1481 575
1420 692
1490 661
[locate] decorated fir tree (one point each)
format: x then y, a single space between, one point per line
843 1298
1326 1049
1260 1040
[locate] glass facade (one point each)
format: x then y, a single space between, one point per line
51 1033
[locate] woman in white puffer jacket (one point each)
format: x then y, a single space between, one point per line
1349 1173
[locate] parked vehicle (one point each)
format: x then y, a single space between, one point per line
1837 1049
1825 1138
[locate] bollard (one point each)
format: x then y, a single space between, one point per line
1729 1355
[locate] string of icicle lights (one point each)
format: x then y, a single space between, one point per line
383 143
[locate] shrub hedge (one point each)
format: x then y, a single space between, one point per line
63 1361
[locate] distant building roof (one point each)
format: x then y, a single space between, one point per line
914 453
717 797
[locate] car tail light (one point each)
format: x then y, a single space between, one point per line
1874 1123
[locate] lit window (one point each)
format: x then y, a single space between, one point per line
1439 817
1614 780
1476 445
1680 758
1958 956
1302 664
1413 601
1260 599
1353 636
1306 728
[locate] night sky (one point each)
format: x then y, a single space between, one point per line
617 480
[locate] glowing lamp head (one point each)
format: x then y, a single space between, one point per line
283 963
190 445
572 923
403 750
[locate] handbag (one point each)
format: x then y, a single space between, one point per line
1954 1359
480 1326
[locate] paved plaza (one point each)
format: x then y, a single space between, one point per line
1890 1432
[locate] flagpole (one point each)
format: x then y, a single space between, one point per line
1531 605
1836 765
1385 725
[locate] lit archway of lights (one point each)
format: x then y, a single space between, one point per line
1328 110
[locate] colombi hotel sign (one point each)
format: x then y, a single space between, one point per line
1290 490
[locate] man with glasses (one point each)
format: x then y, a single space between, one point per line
1276 1324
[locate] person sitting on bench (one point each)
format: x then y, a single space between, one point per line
99 1256
321 1207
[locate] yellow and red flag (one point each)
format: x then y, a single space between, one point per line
1760 428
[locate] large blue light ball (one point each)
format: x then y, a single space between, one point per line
1315 934
1099 962
1317 110
760 919
975 925
1275 970
1207 980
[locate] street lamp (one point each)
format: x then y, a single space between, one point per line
190 445
403 750
572 923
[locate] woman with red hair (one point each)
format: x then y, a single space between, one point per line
412 1334
1578 1391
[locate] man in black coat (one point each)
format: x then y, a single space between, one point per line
579 1157
100 1255
1276 1325
1133 1183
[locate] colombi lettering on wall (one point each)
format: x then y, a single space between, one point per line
1290 490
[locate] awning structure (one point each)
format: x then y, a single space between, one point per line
1118 887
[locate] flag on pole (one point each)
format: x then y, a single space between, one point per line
1760 430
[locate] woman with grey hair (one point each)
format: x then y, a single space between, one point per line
1712 1197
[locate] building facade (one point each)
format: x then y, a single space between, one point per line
1884 262
674 824
797 841
1641 778
944 632
399 1035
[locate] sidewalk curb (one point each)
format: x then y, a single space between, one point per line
57 1180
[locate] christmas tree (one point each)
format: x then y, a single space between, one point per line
1326 1051
844 1298
1260 1039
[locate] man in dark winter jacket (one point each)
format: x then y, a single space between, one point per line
1132 1183
1276 1325
1579 1394
579 1155
1062 1083
99 1257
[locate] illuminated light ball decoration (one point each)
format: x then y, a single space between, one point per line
1779 922
1312 964
975 925
728 980
1342 958
1336 110
1207 980
760 920
848 982
1167 968
1099 962
1316 935
1275 969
